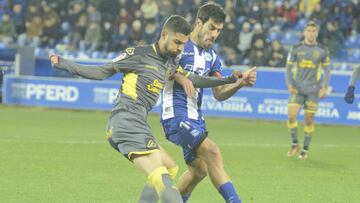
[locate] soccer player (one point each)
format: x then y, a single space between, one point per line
182 118
349 96
305 64
145 69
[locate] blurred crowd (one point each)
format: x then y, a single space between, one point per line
108 26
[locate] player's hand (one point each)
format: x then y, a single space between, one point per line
249 77
323 92
185 83
292 90
237 74
349 96
54 59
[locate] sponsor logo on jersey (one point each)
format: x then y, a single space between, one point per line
155 87
109 132
188 53
316 54
120 57
208 57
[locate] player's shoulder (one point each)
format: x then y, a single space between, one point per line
133 51
322 46
297 46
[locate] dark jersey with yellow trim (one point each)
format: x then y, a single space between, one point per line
306 63
145 72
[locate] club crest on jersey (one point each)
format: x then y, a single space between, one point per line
130 51
120 57
188 67
316 54
208 57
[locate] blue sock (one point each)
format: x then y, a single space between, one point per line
228 192
186 197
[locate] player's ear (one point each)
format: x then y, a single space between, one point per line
198 22
164 34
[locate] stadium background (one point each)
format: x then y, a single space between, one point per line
61 155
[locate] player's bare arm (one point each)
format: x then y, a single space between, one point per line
185 83
292 90
248 78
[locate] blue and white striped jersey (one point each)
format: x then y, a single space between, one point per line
175 102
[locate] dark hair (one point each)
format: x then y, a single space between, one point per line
176 23
211 11
313 23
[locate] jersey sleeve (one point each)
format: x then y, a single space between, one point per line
95 72
125 62
326 67
289 65
128 60
216 64
355 76
206 81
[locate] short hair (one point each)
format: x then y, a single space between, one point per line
211 11
312 23
176 23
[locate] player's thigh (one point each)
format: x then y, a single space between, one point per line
185 132
312 102
130 135
167 160
293 110
208 150
147 163
294 104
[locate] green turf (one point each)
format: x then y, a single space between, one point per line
62 156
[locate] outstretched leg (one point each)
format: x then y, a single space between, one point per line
210 153
195 173
149 194
292 125
158 176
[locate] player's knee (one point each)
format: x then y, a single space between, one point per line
292 118
173 171
309 129
210 151
292 124
155 179
200 172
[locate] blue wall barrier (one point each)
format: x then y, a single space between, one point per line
267 100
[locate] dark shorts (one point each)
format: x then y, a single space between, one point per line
187 133
130 134
307 96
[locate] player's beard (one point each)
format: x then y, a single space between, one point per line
206 43
168 52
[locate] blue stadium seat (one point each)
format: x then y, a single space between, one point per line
111 55
343 67
300 25
274 36
291 38
341 54
352 42
354 56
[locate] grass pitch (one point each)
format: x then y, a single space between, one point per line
62 156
